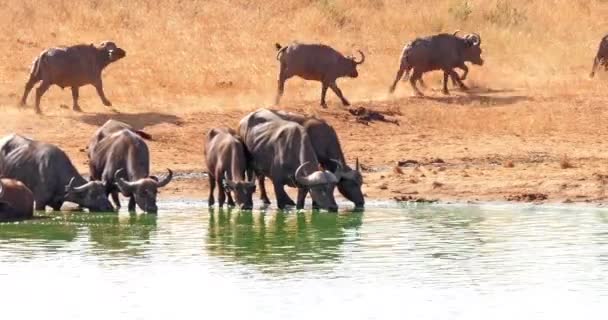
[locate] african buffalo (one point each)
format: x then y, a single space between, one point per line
315 62
110 127
282 151
226 159
74 67
327 148
49 173
16 200
124 154
439 52
601 58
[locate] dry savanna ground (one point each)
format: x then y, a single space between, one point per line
533 126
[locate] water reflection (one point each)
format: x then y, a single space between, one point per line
114 234
279 240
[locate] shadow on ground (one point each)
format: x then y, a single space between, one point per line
137 120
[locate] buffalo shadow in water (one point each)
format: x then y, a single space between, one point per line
284 244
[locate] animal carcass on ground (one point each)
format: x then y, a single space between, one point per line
282 151
48 172
16 200
439 52
326 145
226 159
315 62
123 160
73 67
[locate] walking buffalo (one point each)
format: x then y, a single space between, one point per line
326 145
601 57
16 200
48 172
123 160
315 62
282 151
74 67
226 159
439 52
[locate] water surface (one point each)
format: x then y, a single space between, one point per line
419 262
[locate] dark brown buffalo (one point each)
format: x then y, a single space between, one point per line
110 127
439 52
49 173
123 160
315 62
226 159
74 67
282 151
327 147
16 200
601 57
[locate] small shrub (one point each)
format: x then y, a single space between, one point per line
461 10
505 14
565 163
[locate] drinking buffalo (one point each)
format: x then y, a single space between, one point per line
439 52
315 62
48 172
326 145
601 58
226 159
110 127
16 200
74 67
282 151
123 160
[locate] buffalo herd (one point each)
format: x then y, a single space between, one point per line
290 149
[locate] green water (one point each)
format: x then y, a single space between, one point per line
421 262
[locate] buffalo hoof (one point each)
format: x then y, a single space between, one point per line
324 105
77 108
446 92
345 103
107 103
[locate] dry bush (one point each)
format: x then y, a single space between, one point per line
565 163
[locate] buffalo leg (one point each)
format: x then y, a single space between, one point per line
596 61
28 87
416 76
230 200
283 199
263 194
456 78
281 84
40 206
211 200
338 92
397 78
75 95
301 198
464 68
57 205
221 195
132 204
445 83
99 87
323 94
115 199
42 88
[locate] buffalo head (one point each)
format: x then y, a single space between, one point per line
350 65
321 185
91 195
144 190
114 53
350 182
472 52
242 191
